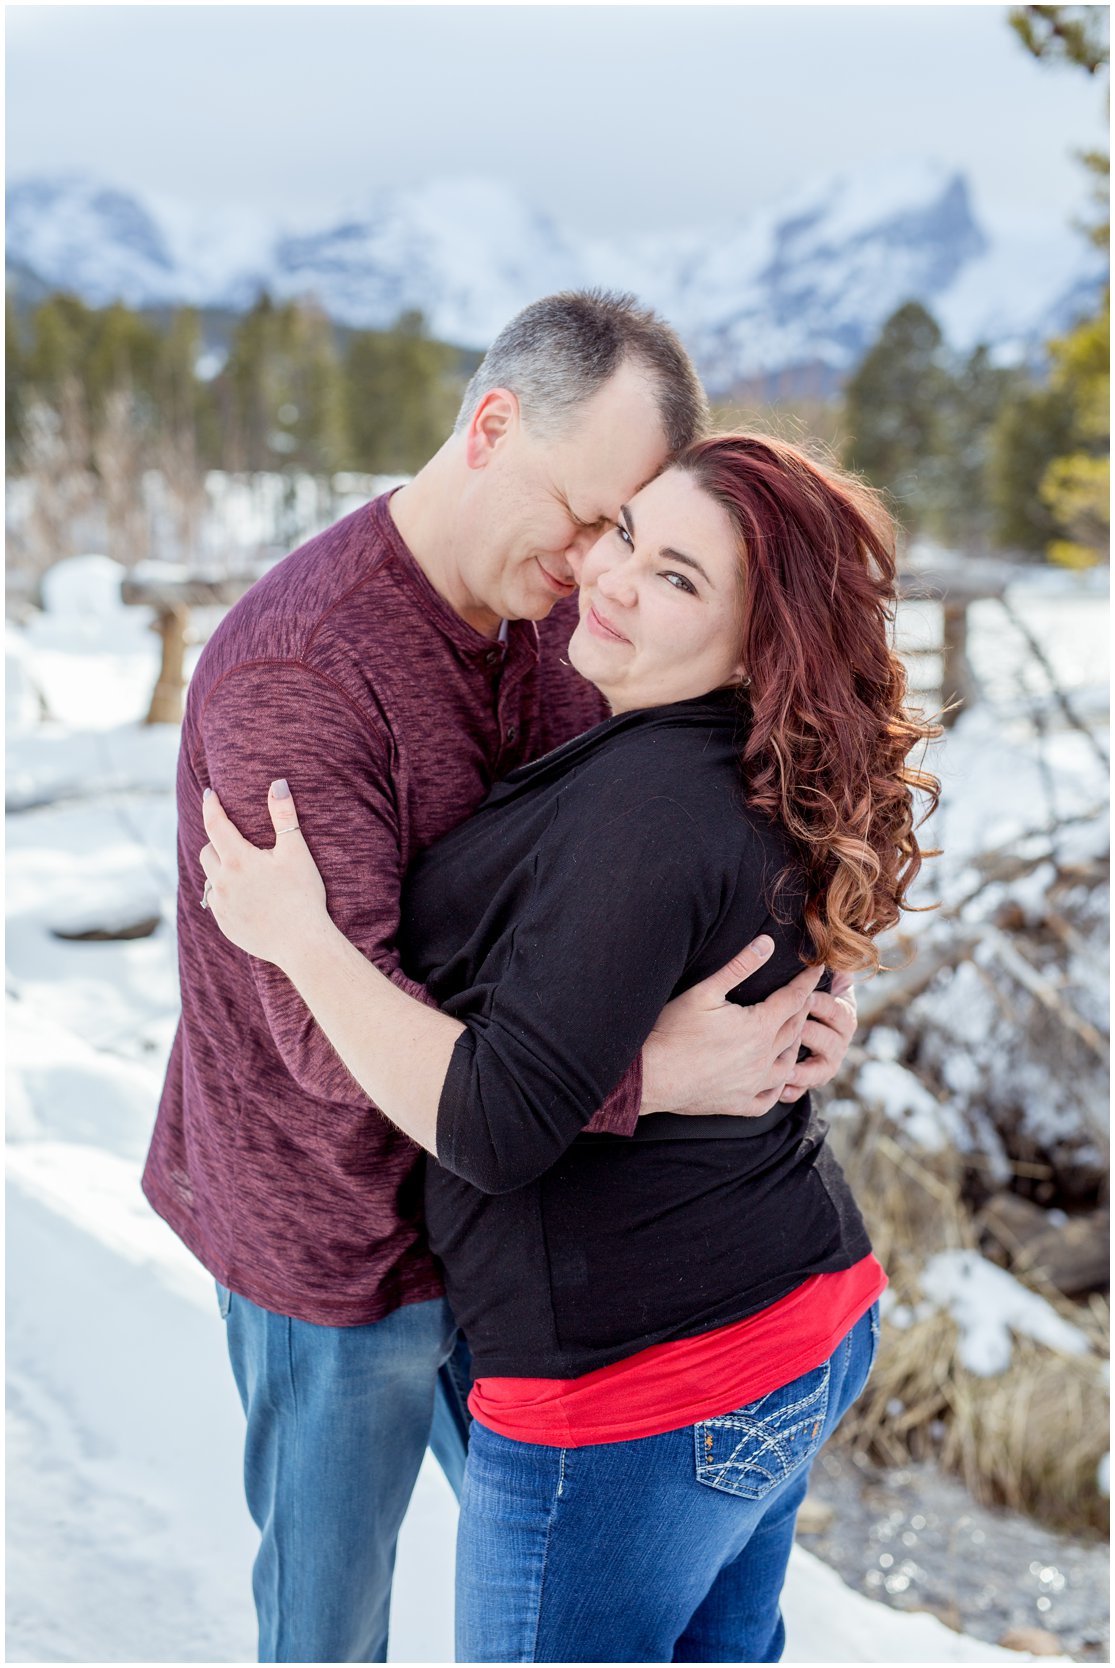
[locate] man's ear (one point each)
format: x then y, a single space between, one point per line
493 421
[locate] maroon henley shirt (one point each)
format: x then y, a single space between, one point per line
344 671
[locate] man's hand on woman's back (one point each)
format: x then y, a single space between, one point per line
828 1031
708 1055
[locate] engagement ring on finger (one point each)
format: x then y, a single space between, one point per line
293 829
204 900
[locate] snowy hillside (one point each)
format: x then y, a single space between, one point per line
804 282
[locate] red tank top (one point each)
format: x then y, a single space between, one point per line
671 1385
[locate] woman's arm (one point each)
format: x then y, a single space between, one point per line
397 1049
260 721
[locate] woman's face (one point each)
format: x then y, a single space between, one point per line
661 600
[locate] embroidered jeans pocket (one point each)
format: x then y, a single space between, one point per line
749 1452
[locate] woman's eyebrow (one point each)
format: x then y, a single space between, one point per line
669 554
689 562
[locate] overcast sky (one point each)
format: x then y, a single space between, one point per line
611 118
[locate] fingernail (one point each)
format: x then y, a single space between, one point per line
763 946
208 794
280 789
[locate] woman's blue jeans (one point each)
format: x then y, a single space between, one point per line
666 1549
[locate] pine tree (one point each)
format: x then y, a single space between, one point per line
243 392
61 331
1076 486
1076 36
1064 34
281 391
893 413
977 391
1032 428
402 390
306 386
122 355
184 413
15 387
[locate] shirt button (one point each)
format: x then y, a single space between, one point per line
493 656
510 733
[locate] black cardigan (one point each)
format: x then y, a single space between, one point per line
557 922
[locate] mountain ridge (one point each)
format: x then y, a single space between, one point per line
800 286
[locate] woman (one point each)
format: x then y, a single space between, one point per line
665 1329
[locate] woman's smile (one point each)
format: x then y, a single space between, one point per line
601 627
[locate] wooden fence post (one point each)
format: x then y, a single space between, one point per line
171 598
166 701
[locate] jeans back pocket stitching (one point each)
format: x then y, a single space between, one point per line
771 1442
753 1459
766 1443
714 1475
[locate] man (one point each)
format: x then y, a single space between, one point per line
391 670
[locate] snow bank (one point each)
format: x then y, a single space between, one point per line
988 1304
49 763
84 585
95 670
23 699
129 1538
929 1123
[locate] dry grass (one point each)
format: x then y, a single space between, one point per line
1030 1438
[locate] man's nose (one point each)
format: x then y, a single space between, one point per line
578 548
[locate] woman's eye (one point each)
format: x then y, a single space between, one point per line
624 535
680 583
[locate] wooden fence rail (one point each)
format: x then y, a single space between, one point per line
955 586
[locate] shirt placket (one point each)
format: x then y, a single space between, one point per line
512 673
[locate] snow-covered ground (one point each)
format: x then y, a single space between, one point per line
128 1539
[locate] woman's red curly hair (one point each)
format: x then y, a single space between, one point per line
830 733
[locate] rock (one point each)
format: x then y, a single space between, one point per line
120 906
814 1516
1037 1640
1074 1255
1012 1220
1076 1258
947 1614
142 928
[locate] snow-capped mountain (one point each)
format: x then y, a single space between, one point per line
799 286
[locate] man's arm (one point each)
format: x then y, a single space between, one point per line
281 719
707 1055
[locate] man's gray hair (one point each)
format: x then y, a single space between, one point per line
558 351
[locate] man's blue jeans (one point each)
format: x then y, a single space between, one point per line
669 1548
338 1420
